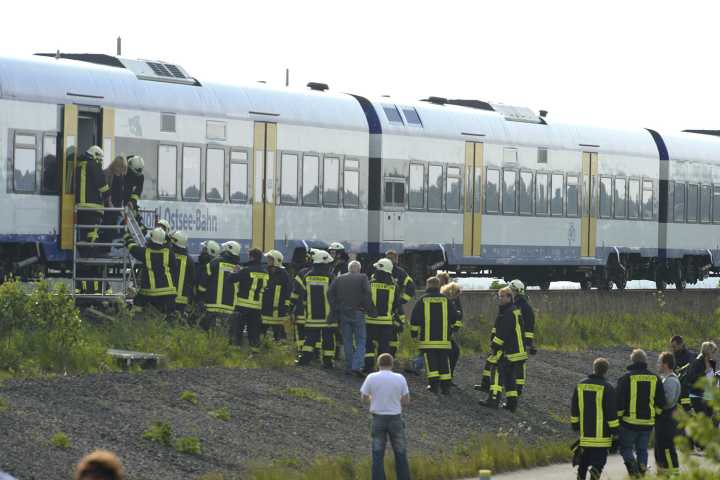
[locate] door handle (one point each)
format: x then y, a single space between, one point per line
389 217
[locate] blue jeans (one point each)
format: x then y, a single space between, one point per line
354 336
394 427
634 442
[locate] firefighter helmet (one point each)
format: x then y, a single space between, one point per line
232 247
212 247
95 153
517 287
157 235
276 256
321 256
179 238
384 265
164 224
336 246
136 164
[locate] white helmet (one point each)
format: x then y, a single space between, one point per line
321 256
517 286
276 256
157 235
179 238
164 224
136 164
212 247
336 246
95 153
384 265
232 247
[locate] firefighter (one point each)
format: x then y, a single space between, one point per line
159 269
666 427
251 280
276 299
209 249
431 324
637 408
185 279
528 327
298 303
385 298
453 292
593 414
313 289
340 259
406 290
91 191
134 180
683 358
216 287
508 351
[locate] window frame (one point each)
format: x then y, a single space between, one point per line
684 211
578 195
538 156
222 191
43 154
652 189
562 192
611 194
498 191
457 177
345 170
709 187
298 162
515 192
245 162
26 146
442 189
408 122
615 214
182 173
713 212
397 110
394 180
424 186
546 213
177 148
318 158
687 203
323 196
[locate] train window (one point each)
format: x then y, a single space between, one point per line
331 183
167 172
215 130
394 192
311 180
50 165
692 203
392 114
716 203
541 193
435 184
525 193
399 195
215 175
492 191
167 122
606 197
24 158
191 173
679 203
647 200
289 179
620 204
416 196
705 200
510 155
351 183
573 204
509 197
542 155
238 176
634 198
556 195
452 189
412 117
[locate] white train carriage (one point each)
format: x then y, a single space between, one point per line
465 185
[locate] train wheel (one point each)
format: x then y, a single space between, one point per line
660 285
585 284
621 284
544 284
605 285
680 285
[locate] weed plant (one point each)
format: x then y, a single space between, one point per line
60 440
159 432
222 413
190 397
189 445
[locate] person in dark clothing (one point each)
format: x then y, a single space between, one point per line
251 279
387 307
683 359
431 324
528 326
637 409
508 352
453 291
159 269
406 291
115 178
340 259
134 180
276 298
298 303
216 288
185 279
209 250
666 457
704 366
593 414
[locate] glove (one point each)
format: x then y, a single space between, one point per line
532 350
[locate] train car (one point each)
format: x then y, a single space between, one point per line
464 185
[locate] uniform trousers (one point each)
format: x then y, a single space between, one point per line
593 458
324 335
503 376
246 318
437 368
666 457
378 341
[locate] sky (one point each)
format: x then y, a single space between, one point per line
631 63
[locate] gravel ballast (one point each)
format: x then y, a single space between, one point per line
267 422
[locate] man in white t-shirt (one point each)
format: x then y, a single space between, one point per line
387 392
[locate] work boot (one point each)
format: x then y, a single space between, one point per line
511 404
484 385
445 387
433 387
327 363
633 469
595 473
490 402
643 469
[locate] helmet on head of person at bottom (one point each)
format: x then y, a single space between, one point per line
179 238
164 224
517 287
211 247
384 265
276 256
136 164
95 153
232 247
321 257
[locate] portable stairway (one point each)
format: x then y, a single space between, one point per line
105 262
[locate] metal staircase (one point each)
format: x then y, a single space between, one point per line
103 271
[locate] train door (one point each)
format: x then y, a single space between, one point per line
588 225
83 127
263 206
472 216
394 203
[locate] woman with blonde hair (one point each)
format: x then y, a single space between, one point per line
453 291
99 465
115 177
703 366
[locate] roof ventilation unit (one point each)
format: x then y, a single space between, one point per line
517 114
320 87
158 71
435 100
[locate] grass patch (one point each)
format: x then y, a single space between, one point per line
4 404
309 394
493 452
190 397
60 440
222 413
159 432
189 445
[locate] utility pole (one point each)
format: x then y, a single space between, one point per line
287 77
119 46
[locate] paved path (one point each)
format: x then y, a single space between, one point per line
615 470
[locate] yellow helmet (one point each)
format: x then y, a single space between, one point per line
157 235
232 247
164 224
212 247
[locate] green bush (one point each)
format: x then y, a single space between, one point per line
704 432
190 397
60 440
222 413
189 445
159 432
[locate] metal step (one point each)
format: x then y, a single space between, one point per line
98 244
99 296
103 261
